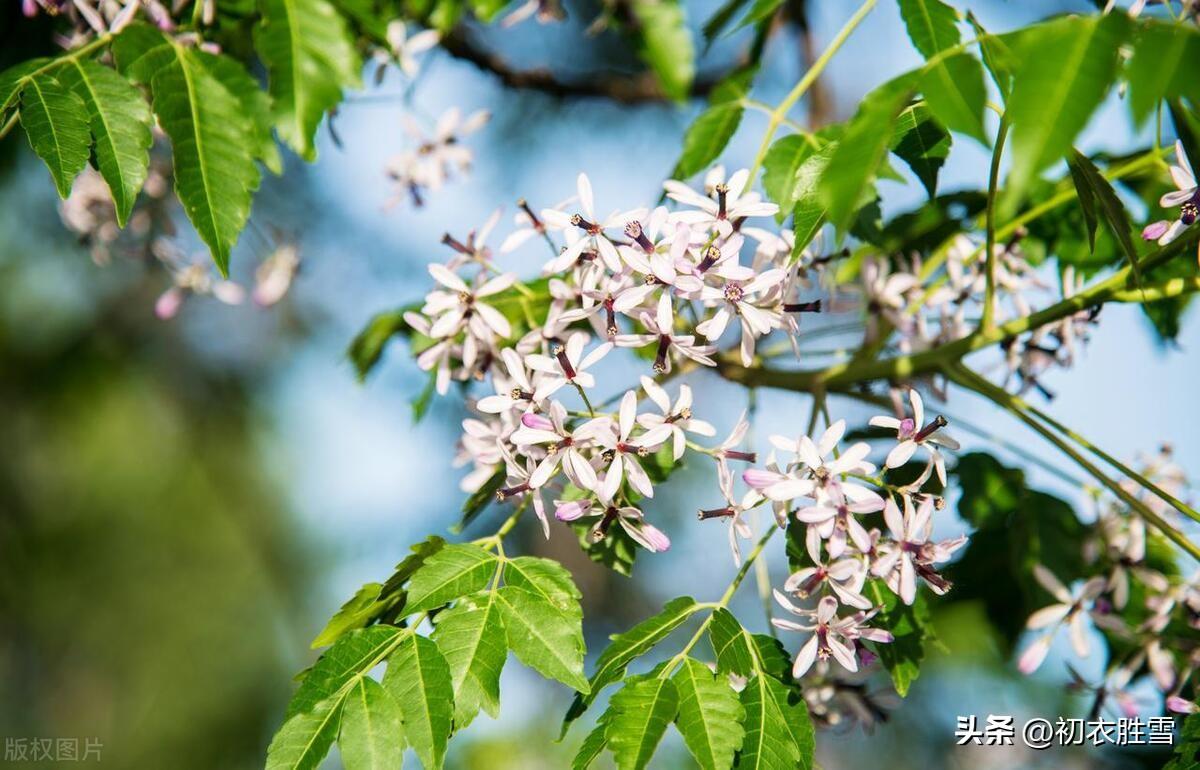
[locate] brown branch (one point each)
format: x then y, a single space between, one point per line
627 89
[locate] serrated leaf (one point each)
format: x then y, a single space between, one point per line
921 142
730 643
1163 66
1187 749
639 714
13 79
212 140
954 89
768 743
455 570
1066 68
372 734
710 715
780 165
543 637
931 24
255 103
55 121
119 120
351 657
471 638
635 642
707 137
797 720
418 678
1108 205
310 57
591 748
665 44
848 178
411 563
810 213
355 613
306 738
548 579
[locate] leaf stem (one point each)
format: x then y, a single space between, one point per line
781 110
989 292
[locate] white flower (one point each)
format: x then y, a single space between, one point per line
274 276
460 307
545 11
427 165
1070 609
912 555
678 418
563 446
517 389
568 365
528 226
627 517
626 449
831 636
592 227
733 511
520 483
196 278
404 49
737 299
660 327
845 578
733 202
1186 196
911 434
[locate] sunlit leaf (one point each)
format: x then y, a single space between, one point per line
665 43
639 714
305 738
372 734
471 638
710 715
454 571
543 637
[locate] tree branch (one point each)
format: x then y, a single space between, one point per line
627 89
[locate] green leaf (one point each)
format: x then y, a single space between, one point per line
809 214
1066 68
418 678
543 637
931 24
616 550
358 610
211 137
997 57
591 747
548 579
351 657
707 137
310 57
912 630
731 644
306 738
1087 200
13 79
1187 750
471 638
367 346
768 743
255 103
760 11
921 142
665 44
421 552
639 715
1102 195
372 735
780 165
635 642
954 90
55 120
1163 66
721 19
119 119
710 715
454 571
847 181
795 717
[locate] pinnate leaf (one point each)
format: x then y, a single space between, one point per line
454 571
306 738
55 120
418 678
639 714
543 637
353 656
707 137
931 24
471 638
710 715
547 578
372 734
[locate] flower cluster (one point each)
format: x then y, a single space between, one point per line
1132 596
429 163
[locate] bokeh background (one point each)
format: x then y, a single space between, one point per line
183 504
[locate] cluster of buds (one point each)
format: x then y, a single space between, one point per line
1160 633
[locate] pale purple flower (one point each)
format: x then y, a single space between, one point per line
737 298
567 365
513 391
523 481
677 418
845 578
832 637
727 450
1070 609
732 512
912 434
562 446
197 279
629 518
592 227
626 449
660 327
1186 196
274 276
723 204
460 307
912 555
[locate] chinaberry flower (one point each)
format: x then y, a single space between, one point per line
518 387
737 298
1186 196
728 450
833 518
832 637
678 418
660 328
627 517
912 555
461 307
520 483
622 449
562 446
274 276
528 224
1070 609
195 278
404 48
912 433
725 204
428 165
732 512
472 249
845 578
566 365
592 227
